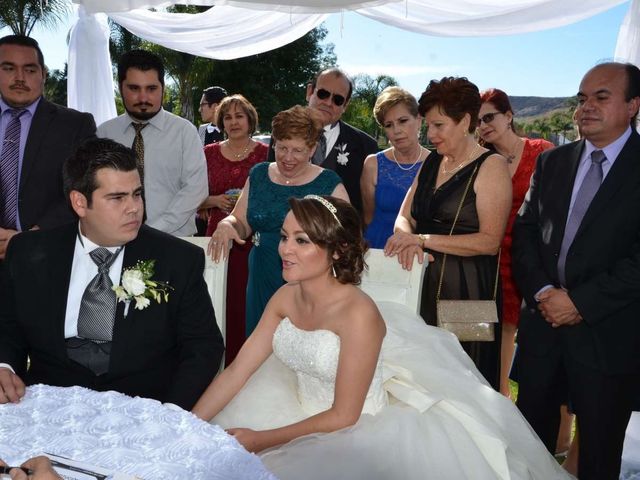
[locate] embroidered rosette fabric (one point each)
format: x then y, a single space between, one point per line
137 436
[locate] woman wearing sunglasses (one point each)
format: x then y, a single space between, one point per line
263 204
456 209
497 133
387 175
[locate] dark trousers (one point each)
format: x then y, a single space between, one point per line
601 402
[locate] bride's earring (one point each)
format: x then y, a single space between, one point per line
333 271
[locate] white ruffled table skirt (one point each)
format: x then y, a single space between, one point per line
137 436
631 454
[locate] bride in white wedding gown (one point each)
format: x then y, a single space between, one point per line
325 388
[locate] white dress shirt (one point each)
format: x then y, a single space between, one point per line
331 134
175 170
83 269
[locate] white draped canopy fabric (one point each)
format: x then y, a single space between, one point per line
235 29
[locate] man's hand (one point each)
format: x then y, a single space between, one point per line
557 308
11 386
40 466
5 236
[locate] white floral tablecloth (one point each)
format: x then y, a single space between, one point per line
137 436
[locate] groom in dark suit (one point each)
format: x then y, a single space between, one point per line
59 309
576 254
31 193
342 148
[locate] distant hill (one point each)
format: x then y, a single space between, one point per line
536 106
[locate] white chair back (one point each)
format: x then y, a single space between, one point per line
215 274
385 280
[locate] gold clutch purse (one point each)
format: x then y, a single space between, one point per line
469 320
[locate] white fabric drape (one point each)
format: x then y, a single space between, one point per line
221 32
628 46
90 78
236 28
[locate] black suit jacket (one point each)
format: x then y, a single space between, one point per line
169 351
358 145
603 264
54 135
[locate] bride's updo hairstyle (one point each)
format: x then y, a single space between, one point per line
338 232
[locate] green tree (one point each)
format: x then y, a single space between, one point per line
366 90
55 89
22 15
274 80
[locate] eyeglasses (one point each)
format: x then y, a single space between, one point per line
296 153
488 117
323 94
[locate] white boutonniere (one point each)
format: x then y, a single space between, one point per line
136 284
343 155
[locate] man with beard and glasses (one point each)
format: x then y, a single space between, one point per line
168 148
37 136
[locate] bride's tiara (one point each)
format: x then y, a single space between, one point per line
328 205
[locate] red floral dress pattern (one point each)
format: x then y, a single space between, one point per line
511 297
225 174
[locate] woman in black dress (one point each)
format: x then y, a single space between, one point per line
450 107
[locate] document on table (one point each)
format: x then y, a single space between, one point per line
73 470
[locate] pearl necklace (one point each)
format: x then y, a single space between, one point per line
242 153
393 156
461 164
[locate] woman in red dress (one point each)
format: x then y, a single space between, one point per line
228 165
495 127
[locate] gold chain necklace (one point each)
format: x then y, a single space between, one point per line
291 180
461 164
242 153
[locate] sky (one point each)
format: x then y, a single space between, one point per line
548 63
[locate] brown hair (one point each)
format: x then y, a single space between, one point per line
297 122
455 96
389 98
239 101
342 236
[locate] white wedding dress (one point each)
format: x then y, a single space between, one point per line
428 413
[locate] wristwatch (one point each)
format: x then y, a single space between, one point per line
423 239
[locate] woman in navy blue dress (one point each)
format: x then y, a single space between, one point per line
387 175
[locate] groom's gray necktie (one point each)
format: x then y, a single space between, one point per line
98 306
321 151
587 191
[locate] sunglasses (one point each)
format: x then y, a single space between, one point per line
488 117
323 94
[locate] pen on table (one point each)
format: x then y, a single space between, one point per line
6 470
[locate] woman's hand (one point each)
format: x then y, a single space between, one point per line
221 241
406 246
251 440
223 202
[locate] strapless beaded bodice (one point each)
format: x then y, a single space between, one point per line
313 356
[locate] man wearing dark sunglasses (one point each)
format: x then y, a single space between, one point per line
342 148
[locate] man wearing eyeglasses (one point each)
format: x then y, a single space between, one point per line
209 132
342 148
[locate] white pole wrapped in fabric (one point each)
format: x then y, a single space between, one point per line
90 85
628 45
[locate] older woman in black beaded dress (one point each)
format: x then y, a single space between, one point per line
450 107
